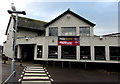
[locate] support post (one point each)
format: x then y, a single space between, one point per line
62 64
53 63
69 64
85 65
47 63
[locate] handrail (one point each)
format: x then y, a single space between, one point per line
9 77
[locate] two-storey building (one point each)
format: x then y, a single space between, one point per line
68 37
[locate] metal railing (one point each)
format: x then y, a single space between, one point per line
11 78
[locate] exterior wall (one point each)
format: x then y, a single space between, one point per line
8 46
26 33
84 41
71 22
1 50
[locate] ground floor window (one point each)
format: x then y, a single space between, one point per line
53 51
85 52
68 52
99 52
114 52
39 51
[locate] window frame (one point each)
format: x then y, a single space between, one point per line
54 54
53 28
113 56
84 27
69 32
85 56
41 51
99 56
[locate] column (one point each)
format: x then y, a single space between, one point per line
59 31
78 52
19 52
47 32
59 52
35 51
107 55
92 53
77 31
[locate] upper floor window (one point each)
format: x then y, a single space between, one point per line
68 31
85 31
53 31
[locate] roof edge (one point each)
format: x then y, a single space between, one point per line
70 12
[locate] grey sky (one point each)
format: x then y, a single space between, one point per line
103 14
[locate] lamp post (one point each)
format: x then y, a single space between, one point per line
14 37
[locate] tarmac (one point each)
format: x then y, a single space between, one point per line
66 75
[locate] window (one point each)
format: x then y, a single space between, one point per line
39 52
41 33
53 52
68 52
68 31
85 31
53 31
114 53
85 52
99 52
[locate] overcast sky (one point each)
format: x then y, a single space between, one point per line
104 13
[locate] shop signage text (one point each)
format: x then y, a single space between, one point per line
68 40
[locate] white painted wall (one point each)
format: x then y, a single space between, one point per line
71 22
8 46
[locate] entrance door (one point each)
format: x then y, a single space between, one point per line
27 52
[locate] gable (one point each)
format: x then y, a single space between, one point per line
73 14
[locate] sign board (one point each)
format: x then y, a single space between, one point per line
68 40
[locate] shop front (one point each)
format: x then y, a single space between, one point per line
68 46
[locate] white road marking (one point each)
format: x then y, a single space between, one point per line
21 76
39 73
34 67
19 80
35 71
33 77
35 74
37 81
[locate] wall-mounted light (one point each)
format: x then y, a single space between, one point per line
26 38
101 37
68 16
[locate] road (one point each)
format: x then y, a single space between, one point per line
67 75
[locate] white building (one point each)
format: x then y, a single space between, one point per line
68 37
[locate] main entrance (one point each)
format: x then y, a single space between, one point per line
27 52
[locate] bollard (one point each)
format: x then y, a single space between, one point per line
4 61
53 64
20 62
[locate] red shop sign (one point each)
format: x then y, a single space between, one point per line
68 40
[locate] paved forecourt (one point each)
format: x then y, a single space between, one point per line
36 75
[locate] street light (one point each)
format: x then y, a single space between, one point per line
14 38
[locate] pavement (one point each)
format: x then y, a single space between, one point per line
66 75
6 70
